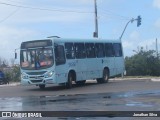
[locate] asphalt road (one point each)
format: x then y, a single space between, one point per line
117 95
89 87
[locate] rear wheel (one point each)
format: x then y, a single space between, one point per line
105 77
69 82
42 87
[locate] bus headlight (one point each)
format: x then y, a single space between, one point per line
49 74
24 76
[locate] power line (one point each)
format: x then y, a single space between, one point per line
15 1
11 14
45 9
114 14
62 10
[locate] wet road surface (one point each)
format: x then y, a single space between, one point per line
143 95
127 101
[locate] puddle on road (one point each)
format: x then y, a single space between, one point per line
11 104
101 101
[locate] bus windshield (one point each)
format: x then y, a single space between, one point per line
33 59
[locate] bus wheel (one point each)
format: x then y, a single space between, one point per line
81 82
69 82
42 87
105 77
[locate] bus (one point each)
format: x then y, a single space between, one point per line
64 61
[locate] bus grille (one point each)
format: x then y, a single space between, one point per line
36 77
36 73
36 81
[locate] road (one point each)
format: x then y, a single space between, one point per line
117 95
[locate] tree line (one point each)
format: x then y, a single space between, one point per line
12 71
143 63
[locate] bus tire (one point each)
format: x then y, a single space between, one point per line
42 87
69 82
105 77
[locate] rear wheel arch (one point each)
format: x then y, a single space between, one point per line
107 68
73 74
105 76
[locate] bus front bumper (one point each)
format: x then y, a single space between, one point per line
36 80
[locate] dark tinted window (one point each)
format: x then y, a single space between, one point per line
99 50
90 49
69 47
80 50
117 49
59 55
109 50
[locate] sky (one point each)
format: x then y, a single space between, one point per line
23 20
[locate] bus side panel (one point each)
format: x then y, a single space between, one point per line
94 68
119 64
81 68
61 73
110 63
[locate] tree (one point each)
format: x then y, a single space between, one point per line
143 63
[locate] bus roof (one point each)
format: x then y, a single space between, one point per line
62 40
95 40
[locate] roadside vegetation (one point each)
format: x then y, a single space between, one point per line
12 72
143 63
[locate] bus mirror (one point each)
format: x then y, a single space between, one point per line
15 55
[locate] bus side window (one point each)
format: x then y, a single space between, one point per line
69 48
80 50
117 49
60 55
99 50
90 50
109 50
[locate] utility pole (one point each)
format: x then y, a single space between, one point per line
157 47
95 34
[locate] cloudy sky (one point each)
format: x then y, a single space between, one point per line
22 20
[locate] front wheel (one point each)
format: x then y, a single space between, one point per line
105 77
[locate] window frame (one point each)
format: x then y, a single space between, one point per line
110 47
70 53
100 51
81 53
117 49
58 60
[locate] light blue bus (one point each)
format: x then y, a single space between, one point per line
64 61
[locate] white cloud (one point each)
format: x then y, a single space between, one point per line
134 35
11 39
156 3
135 42
148 44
